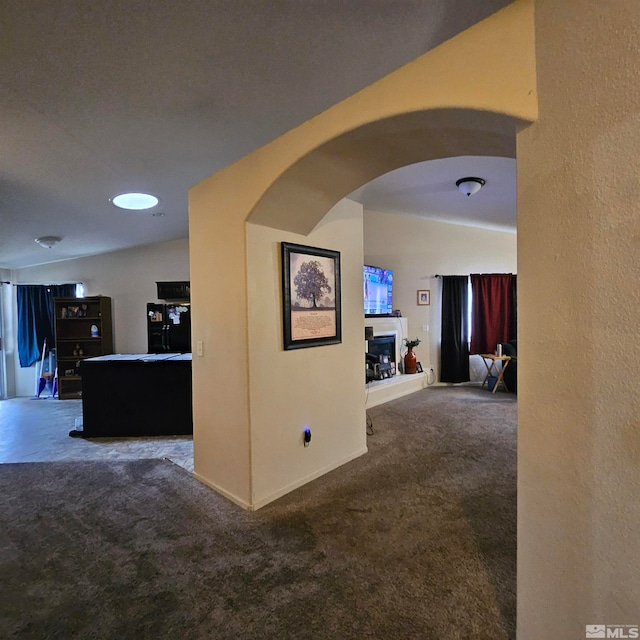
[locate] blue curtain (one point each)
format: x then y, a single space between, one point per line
36 319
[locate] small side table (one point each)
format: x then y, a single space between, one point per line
491 363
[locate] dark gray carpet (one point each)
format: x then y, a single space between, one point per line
415 540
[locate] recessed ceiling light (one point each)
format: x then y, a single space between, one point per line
48 241
135 201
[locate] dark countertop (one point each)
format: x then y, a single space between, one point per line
141 357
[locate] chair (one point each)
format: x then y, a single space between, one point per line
511 372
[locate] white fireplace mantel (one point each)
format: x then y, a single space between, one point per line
396 327
380 391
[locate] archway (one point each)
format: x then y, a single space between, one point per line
251 399
302 195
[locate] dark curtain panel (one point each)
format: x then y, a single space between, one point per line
35 318
454 354
490 311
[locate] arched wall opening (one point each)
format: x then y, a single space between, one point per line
305 205
304 193
251 398
578 449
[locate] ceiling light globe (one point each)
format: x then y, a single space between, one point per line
48 241
469 186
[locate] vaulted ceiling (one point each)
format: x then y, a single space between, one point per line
154 95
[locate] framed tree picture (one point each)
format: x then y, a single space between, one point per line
311 312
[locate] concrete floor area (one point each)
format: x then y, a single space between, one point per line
37 430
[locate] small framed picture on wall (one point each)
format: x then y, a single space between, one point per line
424 297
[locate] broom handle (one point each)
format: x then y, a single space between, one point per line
44 351
39 373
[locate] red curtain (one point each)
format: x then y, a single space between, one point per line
491 311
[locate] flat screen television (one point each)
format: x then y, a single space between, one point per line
378 291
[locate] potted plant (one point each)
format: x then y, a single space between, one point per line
410 357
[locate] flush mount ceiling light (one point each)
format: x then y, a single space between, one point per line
135 201
469 186
48 241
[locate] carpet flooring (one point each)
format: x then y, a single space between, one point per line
415 540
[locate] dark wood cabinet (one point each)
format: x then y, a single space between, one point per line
83 330
177 290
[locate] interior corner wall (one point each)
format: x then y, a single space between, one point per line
128 277
321 388
416 250
579 304
8 353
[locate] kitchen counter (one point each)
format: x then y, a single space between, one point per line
137 394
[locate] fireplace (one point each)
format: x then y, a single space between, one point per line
381 357
383 346
384 388
386 328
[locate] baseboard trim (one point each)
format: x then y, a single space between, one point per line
258 504
223 492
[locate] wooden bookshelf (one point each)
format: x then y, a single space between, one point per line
74 319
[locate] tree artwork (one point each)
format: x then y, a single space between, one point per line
311 306
311 282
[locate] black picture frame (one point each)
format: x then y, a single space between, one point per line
418 368
310 276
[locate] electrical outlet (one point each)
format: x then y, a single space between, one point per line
425 328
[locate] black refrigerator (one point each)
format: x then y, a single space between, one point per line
169 328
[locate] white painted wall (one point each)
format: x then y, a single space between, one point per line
7 332
128 277
418 249
321 388
579 299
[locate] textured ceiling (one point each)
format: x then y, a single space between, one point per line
155 95
428 190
